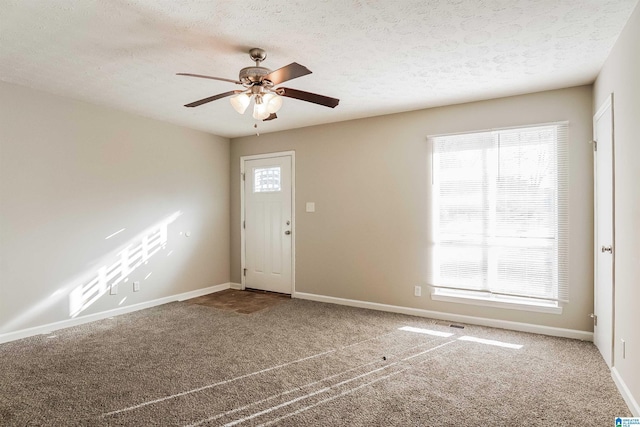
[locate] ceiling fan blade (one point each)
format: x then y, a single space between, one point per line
288 72
309 97
209 77
212 98
271 117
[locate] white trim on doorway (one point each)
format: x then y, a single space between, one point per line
608 108
243 159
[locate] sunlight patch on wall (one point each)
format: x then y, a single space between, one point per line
56 293
114 234
136 252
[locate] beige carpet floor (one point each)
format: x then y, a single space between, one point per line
300 363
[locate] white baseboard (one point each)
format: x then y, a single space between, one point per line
482 321
237 286
200 292
625 392
45 329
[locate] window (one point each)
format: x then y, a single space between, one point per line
499 207
266 179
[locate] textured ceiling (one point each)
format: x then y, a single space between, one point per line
378 57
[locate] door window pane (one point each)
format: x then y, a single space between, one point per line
266 179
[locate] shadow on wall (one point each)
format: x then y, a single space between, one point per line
115 268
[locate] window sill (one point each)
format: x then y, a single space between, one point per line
496 301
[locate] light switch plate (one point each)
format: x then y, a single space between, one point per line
311 207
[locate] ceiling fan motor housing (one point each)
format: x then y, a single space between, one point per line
252 75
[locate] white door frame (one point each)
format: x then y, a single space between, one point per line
606 104
243 159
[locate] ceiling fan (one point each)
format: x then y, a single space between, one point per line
259 83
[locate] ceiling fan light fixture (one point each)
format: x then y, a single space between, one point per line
240 102
273 101
260 111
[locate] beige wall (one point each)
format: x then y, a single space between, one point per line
369 240
71 174
621 76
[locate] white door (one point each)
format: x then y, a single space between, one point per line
604 222
268 224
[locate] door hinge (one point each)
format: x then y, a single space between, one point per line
244 224
595 145
242 174
244 271
595 319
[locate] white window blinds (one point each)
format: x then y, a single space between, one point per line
499 205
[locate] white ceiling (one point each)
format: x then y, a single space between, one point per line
378 57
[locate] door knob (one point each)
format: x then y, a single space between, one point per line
287 232
606 249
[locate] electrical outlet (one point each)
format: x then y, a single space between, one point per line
417 291
136 286
114 289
